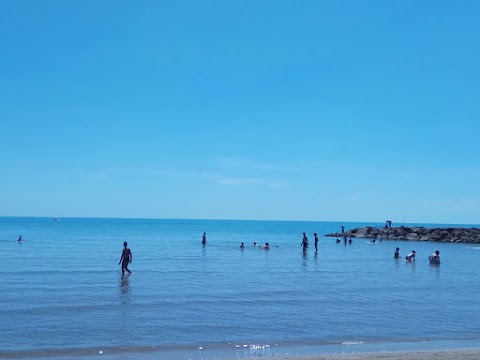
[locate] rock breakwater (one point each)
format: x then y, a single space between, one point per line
420 233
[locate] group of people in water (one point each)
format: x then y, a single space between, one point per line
126 257
433 259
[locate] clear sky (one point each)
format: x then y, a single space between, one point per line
282 110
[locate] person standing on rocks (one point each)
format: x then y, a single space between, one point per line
343 231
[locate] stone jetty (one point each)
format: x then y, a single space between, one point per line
420 233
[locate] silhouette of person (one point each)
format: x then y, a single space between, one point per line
434 259
204 239
316 241
304 241
242 246
20 239
126 258
397 253
267 246
410 257
343 230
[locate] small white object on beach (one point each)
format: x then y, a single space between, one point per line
200 348
100 352
245 345
237 346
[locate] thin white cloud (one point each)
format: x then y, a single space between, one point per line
351 197
277 184
456 204
98 176
239 163
240 181
222 179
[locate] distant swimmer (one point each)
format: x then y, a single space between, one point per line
316 241
410 257
338 241
304 243
126 258
434 259
254 244
267 246
350 240
242 246
396 255
20 239
204 239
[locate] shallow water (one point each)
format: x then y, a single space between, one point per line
62 292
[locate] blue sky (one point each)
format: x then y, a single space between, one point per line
310 110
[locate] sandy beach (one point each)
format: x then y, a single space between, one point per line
464 354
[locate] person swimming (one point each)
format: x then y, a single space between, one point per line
396 255
20 239
338 241
267 246
126 258
242 246
434 259
410 257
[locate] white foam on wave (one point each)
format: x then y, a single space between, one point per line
352 343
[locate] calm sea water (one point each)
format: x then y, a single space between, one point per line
62 293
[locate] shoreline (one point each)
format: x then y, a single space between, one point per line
467 350
456 354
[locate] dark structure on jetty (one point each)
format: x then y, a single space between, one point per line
420 233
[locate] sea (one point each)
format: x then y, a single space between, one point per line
62 294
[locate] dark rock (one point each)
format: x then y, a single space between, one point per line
418 233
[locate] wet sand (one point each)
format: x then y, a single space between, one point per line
465 354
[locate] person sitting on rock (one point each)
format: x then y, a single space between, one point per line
434 259
410 257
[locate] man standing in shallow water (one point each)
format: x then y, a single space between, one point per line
434 259
305 242
126 258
